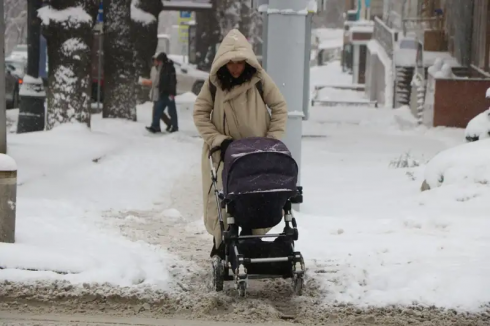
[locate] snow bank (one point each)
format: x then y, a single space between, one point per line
72 16
7 163
479 127
464 164
32 87
140 16
76 188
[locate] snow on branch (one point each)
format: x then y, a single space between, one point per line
140 16
71 17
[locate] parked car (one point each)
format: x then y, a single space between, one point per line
12 86
19 64
189 78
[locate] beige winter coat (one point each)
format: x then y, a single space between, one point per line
246 116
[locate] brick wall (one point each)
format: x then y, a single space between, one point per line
456 102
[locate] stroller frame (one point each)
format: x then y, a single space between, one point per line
230 237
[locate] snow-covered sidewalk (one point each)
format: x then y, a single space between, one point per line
70 183
370 235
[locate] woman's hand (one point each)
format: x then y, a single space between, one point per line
224 147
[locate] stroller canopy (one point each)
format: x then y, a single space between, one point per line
258 165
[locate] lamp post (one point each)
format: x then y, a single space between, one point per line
32 94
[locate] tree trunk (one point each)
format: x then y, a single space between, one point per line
208 29
256 29
144 16
69 55
119 69
245 22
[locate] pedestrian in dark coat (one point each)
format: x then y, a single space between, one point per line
167 88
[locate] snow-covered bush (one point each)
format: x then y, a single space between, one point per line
464 164
478 127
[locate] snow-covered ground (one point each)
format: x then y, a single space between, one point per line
69 179
370 237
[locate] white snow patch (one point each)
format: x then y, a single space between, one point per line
488 93
72 45
72 16
312 6
362 28
32 87
7 163
331 44
32 80
141 16
263 8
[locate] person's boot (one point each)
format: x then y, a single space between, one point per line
167 122
153 130
173 129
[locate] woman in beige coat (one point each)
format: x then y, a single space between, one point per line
242 91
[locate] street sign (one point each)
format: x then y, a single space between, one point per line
100 14
184 18
185 14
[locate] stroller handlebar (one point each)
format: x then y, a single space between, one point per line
213 150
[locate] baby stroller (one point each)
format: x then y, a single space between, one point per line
259 184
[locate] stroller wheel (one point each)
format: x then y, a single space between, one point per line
298 285
242 288
218 274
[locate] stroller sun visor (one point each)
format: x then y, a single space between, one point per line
259 165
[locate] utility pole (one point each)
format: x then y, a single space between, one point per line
286 58
99 29
3 113
32 94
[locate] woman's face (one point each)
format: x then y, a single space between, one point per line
236 68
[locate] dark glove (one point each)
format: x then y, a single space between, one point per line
224 147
